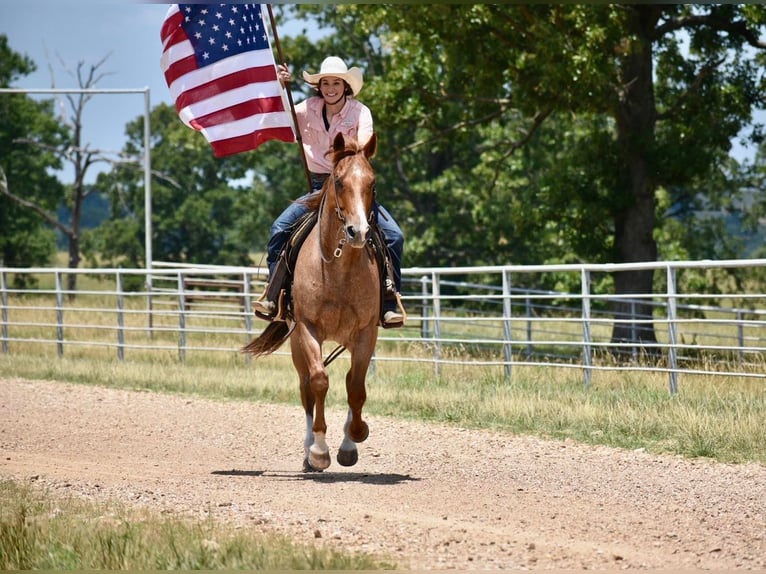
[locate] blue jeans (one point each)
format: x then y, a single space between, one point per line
283 227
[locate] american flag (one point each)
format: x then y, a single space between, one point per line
220 69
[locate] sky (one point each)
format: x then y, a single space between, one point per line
59 34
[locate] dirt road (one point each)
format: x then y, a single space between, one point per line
428 496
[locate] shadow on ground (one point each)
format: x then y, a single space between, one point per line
361 477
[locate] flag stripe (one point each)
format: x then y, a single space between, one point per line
193 78
172 23
258 82
236 111
221 74
251 141
242 126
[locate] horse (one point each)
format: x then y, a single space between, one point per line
335 297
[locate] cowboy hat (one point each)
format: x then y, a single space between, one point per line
335 67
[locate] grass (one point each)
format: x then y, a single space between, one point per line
41 532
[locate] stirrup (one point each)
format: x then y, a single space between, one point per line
268 310
395 324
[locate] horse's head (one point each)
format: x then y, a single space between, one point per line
353 181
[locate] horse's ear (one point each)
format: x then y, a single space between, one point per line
371 146
338 144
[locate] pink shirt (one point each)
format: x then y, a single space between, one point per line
355 119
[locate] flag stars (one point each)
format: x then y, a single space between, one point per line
224 30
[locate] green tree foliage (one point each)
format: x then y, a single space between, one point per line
26 168
550 133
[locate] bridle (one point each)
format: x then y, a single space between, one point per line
342 218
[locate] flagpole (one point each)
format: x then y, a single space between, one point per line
298 137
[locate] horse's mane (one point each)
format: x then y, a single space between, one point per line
351 148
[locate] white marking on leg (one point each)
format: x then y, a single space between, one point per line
319 447
308 441
347 443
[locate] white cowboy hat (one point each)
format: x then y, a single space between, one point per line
335 67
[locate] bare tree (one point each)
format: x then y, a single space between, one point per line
75 153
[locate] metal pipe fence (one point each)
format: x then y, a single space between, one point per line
469 316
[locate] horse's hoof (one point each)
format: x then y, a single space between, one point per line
319 460
347 457
360 434
308 468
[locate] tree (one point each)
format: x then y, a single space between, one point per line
482 105
196 213
24 170
73 150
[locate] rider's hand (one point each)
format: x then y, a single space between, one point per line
283 74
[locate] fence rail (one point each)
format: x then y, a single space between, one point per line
471 316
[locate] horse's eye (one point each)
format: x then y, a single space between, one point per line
338 183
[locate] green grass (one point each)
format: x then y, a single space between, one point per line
41 532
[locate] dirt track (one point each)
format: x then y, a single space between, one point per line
430 497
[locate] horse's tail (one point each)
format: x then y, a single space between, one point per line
270 340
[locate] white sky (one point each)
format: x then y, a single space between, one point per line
73 31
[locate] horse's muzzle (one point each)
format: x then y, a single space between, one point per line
356 235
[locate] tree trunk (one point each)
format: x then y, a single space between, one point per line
634 223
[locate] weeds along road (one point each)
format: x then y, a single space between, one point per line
427 496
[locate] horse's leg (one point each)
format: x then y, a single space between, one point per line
355 429
307 399
308 406
348 454
307 358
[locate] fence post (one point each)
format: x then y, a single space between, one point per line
424 331
248 310
586 334
181 318
507 334
435 289
120 319
4 310
633 330
528 314
740 337
672 333
59 316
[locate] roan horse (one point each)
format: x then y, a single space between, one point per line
335 296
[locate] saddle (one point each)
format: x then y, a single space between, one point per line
280 284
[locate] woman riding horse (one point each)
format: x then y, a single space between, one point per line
333 110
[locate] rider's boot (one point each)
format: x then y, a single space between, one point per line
392 316
269 305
